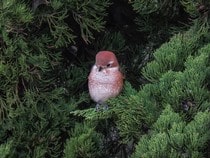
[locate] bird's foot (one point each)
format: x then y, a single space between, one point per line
97 107
100 105
105 107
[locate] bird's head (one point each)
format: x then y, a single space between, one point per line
105 60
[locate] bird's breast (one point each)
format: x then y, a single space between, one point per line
105 83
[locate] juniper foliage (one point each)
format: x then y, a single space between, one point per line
173 137
84 142
37 88
46 50
182 89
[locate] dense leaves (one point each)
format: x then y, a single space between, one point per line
47 48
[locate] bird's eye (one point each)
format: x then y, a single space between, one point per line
108 65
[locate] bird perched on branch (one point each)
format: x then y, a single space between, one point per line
105 79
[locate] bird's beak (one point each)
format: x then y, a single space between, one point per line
99 68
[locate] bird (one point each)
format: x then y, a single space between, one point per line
105 79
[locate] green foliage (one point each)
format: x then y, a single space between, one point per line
126 111
181 88
84 142
72 78
45 110
35 109
182 85
162 6
171 55
196 8
112 41
87 14
13 14
50 121
191 6
91 14
5 149
173 137
149 13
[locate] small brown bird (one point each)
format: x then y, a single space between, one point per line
105 79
